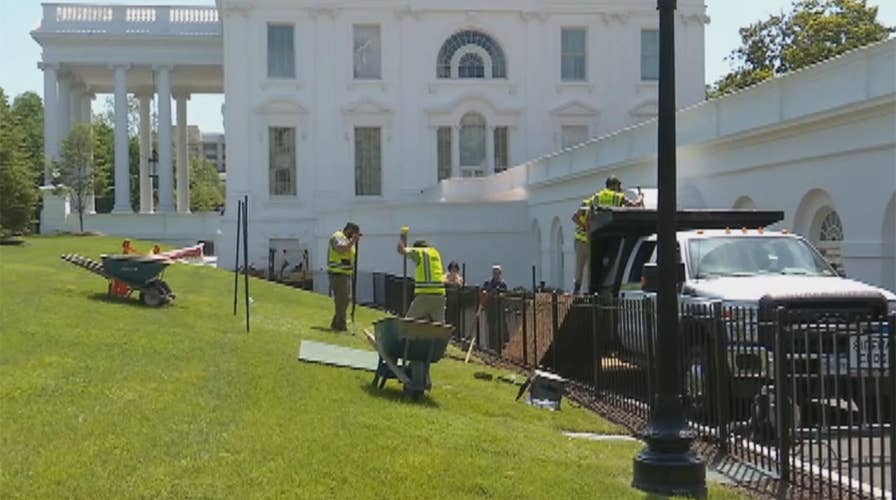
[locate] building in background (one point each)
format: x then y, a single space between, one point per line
214 149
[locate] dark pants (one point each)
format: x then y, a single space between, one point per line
341 285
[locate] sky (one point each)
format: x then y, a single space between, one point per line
20 53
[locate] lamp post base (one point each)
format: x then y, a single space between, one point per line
669 467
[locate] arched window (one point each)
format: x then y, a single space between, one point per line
831 228
472 140
830 234
466 43
471 66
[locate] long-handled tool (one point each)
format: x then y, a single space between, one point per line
355 287
404 274
473 339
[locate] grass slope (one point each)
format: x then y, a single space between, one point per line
104 399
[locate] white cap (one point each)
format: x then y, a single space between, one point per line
496 266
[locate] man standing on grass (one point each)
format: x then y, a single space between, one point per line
340 267
429 285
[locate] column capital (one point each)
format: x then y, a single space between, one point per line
124 66
47 65
162 67
180 94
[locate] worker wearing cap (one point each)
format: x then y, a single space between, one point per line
429 285
610 196
340 267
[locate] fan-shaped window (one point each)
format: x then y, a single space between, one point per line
830 235
464 41
472 140
831 228
471 66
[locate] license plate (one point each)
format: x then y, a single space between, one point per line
869 352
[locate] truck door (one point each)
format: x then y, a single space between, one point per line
629 292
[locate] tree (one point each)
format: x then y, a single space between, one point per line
28 116
206 188
813 31
18 194
75 167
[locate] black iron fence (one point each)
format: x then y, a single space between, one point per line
809 396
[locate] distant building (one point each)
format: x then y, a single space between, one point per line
214 150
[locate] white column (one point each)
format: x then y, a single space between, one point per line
86 118
183 160
122 167
86 103
64 108
74 113
145 137
51 118
489 150
166 180
455 151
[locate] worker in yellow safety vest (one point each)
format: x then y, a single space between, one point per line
610 196
340 268
429 285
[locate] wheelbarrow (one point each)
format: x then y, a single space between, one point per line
129 273
407 347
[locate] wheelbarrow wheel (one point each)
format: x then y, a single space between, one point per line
152 296
413 394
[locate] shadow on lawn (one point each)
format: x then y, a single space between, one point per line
393 393
133 301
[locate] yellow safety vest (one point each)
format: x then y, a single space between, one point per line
581 229
340 262
430 279
608 198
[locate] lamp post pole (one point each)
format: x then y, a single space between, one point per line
668 465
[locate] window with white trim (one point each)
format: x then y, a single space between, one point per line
573 55
469 42
472 140
367 52
502 149
570 135
282 167
368 161
281 51
650 55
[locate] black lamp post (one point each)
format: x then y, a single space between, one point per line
668 465
153 162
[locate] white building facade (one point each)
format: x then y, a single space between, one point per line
359 104
467 123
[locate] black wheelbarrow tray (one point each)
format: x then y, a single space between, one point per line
407 347
139 272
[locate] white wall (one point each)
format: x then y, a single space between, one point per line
171 228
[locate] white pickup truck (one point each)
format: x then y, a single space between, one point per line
748 274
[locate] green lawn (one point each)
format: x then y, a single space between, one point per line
104 399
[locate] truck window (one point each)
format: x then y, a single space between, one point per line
645 251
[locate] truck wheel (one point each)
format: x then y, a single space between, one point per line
763 418
700 379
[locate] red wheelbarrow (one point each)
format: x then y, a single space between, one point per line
129 273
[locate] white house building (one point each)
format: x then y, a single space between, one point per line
471 124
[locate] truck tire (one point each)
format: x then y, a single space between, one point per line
701 383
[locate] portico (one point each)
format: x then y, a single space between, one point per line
152 53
